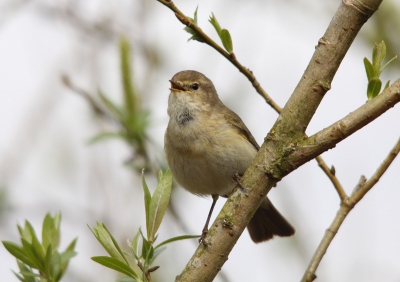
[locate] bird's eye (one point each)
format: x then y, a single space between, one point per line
195 86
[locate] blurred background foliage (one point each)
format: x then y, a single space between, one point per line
118 58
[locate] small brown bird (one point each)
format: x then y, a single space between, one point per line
207 145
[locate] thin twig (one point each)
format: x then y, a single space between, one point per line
230 57
332 177
361 189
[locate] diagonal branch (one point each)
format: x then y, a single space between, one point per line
359 192
249 74
269 166
230 57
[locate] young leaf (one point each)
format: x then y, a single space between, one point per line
178 238
147 201
214 22
130 102
159 202
116 111
126 279
386 85
374 87
51 231
194 34
117 265
227 40
135 245
369 69
107 135
106 240
378 54
17 252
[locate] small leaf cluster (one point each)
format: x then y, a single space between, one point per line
375 69
41 261
223 34
143 251
130 116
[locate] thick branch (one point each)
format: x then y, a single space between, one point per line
266 168
330 136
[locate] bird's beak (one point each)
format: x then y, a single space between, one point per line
176 87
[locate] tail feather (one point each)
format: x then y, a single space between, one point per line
267 222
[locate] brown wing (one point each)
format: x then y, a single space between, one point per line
236 122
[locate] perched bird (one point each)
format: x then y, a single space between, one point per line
207 146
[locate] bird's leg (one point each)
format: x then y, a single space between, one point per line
205 229
236 177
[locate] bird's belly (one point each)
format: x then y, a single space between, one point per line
206 166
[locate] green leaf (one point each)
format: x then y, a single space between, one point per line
386 85
178 238
227 40
66 257
56 266
369 69
24 232
374 87
378 54
18 252
51 231
26 272
130 99
30 252
115 110
159 202
394 58
107 241
147 201
117 265
107 135
126 279
214 22
48 262
135 245
147 250
194 34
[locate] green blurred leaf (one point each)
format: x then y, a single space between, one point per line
147 201
374 87
56 265
24 232
126 279
130 98
178 238
26 272
18 252
386 85
107 135
369 69
115 110
117 265
51 231
214 22
227 40
29 251
378 54
159 202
